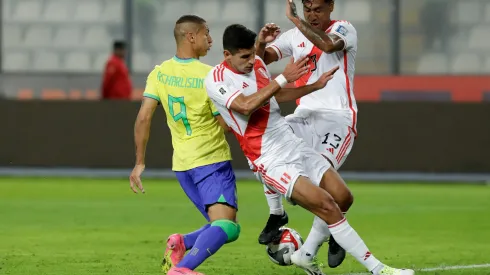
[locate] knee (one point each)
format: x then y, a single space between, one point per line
231 229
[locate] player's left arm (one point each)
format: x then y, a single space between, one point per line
337 40
291 94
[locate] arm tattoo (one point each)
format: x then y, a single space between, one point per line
294 12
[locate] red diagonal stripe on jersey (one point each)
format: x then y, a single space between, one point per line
302 81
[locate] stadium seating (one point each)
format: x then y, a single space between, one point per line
50 35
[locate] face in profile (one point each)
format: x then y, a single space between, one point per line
243 60
203 41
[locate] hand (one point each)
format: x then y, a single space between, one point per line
294 71
291 11
269 33
324 78
135 178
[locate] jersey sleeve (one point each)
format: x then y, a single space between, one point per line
347 32
214 110
282 45
151 88
221 91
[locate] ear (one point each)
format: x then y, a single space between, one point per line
227 54
191 37
332 6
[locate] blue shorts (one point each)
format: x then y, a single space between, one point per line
209 184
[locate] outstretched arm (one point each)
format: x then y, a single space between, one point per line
246 105
328 43
291 94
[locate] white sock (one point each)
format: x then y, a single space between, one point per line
348 239
319 234
274 200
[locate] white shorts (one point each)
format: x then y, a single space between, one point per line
329 134
280 171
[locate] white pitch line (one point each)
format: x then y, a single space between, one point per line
441 268
455 267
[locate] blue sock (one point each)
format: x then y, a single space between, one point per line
190 239
208 242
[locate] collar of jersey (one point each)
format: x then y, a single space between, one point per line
183 60
226 65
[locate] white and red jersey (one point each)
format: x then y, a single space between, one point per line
338 95
263 132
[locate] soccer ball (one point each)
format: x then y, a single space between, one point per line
280 252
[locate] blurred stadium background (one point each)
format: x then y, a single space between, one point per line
418 54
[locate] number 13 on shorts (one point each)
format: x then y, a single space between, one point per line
336 146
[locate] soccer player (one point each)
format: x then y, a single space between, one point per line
201 157
244 94
325 119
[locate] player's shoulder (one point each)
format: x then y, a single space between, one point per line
202 66
291 34
215 75
341 25
154 73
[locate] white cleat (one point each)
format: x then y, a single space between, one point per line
386 270
307 262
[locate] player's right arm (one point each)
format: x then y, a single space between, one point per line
142 130
291 94
342 36
232 97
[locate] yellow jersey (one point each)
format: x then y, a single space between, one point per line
197 137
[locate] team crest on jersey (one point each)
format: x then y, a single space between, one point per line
342 30
263 72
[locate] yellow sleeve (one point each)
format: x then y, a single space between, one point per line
151 89
214 110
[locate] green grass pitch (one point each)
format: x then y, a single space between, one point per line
92 226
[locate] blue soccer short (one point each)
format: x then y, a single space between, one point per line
209 184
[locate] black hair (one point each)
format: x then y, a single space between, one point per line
190 19
238 37
119 45
326 1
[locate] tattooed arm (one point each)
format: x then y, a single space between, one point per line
328 43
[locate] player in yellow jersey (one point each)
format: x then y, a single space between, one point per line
201 157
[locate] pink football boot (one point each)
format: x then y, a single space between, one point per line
182 271
174 253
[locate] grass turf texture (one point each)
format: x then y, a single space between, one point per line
78 226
